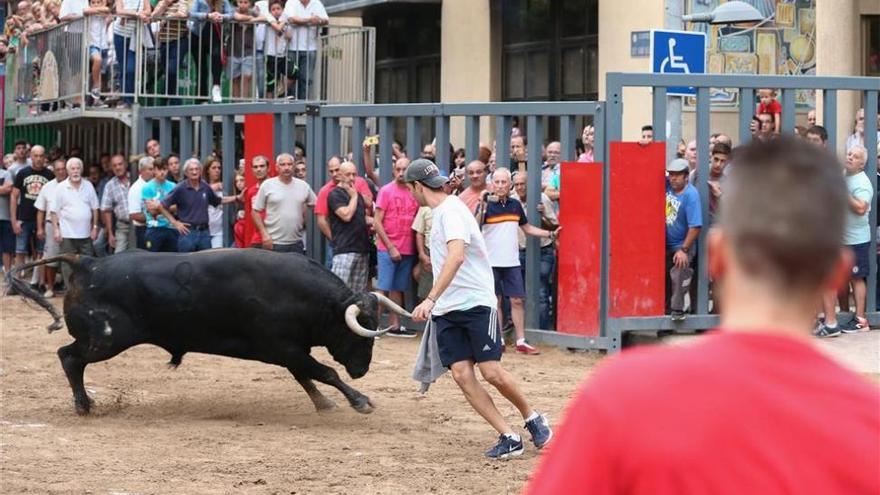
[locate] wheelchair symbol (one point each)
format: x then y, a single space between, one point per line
673 61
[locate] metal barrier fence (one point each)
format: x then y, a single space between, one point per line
180 61
323 126
331 129
868 89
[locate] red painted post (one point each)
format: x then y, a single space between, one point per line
258 140
579 257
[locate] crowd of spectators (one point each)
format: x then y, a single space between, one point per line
266 47
377 235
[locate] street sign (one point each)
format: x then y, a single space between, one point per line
678 52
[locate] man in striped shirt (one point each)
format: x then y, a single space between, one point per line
114 203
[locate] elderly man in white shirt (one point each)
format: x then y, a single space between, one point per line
307 17
136 201
75 214
45 230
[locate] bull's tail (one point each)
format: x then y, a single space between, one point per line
26 291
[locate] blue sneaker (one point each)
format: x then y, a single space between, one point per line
505 448
540 430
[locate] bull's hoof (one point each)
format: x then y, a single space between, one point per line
325 405
364 406
83 407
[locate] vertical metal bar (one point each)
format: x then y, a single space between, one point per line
829 116
600 151
788 112
870 106
443 157
566 139
413 137
658 116
165 135
186 138
358 133
316 177
471 138
228 143
385 139
612 132
746 112
332 137
502 139
533 244
286 140
206 137
139 134
703 126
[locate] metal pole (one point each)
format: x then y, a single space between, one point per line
702 280
228 145
674 11
533 244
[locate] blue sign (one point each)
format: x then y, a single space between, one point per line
678 52
640 44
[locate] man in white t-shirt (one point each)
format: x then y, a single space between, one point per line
285 199
461 307
307 17
136 201
45 230
75 214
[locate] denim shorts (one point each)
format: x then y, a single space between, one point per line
28 235
395 275
93 50
241 66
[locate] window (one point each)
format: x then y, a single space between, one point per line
871 45
550 50
407 52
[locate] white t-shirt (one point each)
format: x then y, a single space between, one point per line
136 199
46 198
215 216
285 206
473 284
276 43
98 31
304 37
73 7
124 26
74 208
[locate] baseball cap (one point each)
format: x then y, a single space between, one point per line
424 171
678 165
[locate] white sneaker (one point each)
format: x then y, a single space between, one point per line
49 294
216 97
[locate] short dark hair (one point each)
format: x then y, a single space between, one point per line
273 2
647 127
779 233
819 131
20 142
160 163
722 148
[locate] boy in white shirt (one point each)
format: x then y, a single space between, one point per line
279 69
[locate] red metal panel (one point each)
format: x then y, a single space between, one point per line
637 229
580 215
258 140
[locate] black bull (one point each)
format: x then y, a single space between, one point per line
243 303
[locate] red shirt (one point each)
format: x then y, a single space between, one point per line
360 184
773 108
249 195
735 413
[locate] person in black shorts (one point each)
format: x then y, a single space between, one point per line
461 307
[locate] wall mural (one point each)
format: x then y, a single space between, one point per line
784 44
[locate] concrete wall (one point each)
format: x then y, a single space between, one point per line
838 41
617 20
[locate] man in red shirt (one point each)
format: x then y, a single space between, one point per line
260 167
321 208
753 407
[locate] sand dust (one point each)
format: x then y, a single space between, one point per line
221 425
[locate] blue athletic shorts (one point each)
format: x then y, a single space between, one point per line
468 334
862 262
395 275
508 281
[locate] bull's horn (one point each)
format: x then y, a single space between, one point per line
351 314
388 303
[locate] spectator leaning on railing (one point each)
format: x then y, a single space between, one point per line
206 43
307 17
174 42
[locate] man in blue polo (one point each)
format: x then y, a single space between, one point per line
192 197
684 218
160 236
501 223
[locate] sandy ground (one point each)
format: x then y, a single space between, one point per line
221 425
